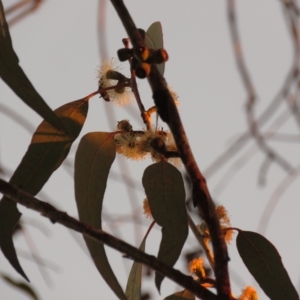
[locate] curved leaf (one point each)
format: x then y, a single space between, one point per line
154 40
95 154
164 188
183 295
264 263
13 75
21 286
48 149
133 288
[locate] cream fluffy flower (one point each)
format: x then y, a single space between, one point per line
119 96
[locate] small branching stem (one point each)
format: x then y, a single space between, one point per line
167 110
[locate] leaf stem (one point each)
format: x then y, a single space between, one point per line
202 242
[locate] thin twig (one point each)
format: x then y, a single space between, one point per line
35 4
261 120
253 126
293 25
102 41
275 198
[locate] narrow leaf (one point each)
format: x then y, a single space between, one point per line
264 263
13 75
164 188
95 154
182 295
48 149
154 40
133 288
21 286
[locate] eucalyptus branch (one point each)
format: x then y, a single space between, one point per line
167 110
63 218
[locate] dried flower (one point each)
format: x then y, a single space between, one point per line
196 268
225 223
171 146
147 210
249 293
174 95
223 215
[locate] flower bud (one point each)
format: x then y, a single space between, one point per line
126 42
124 125
115 75
124 54
142 53
119 90
142 70
158 56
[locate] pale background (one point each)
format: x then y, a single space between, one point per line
58 48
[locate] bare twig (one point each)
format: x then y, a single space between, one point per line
32 7
253 126
102 11
275 198
261 120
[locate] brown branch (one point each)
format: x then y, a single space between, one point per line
293 25
35 4
60 217
102 39
167 110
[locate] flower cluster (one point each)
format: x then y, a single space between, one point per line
108 76
137 145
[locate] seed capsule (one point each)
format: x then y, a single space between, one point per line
124 54
143 70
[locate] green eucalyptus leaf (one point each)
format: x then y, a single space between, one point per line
133 288
48 149
164 188
21 286
13 75
182 295
94 157
154 40
264 263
